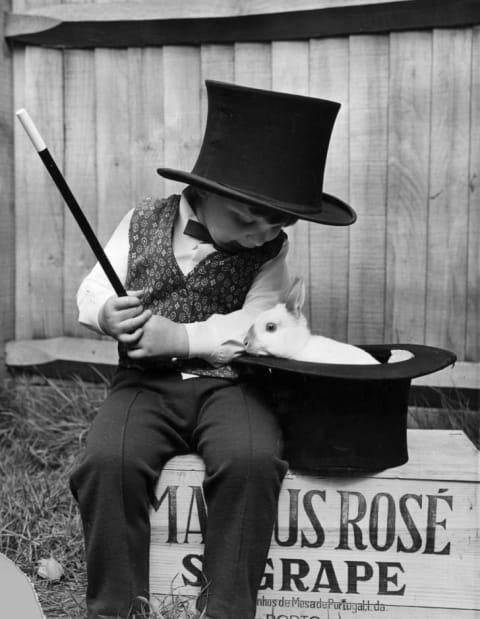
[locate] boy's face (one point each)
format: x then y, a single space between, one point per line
234 225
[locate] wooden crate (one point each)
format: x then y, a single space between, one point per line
400 543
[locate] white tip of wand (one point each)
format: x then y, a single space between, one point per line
29 126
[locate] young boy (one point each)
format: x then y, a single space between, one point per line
190 304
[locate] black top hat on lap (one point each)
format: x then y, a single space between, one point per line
344 419
268 149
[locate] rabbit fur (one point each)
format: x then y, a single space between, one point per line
283 332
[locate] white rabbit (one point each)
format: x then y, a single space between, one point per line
283 332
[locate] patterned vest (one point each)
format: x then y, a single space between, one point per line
217 285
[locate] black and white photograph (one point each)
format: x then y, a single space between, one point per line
240 309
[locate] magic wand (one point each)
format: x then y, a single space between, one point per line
69 198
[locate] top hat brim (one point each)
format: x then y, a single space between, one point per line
425 360
332 211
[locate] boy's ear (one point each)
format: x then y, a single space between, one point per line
296 297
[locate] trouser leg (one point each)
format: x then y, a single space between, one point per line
238 438
136 431
143 423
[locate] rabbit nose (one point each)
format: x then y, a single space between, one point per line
250 334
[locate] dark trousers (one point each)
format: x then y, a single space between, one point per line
146 420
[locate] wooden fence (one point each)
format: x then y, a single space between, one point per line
405 153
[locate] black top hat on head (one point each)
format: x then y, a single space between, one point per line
268 149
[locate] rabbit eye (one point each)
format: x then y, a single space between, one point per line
270 327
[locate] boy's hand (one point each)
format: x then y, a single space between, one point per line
124 317
161 337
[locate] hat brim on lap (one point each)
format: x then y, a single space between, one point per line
344 419
425 360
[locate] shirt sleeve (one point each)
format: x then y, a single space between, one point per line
95 289
219 338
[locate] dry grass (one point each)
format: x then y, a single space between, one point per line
42 428
43 424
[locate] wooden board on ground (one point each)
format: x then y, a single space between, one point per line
401 543
26 354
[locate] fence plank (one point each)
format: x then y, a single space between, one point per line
113 139
182 107
472 344
7 220
253 64
81 174
217 63
145 105
407 191
290 73
368 185
21 152
448 199
329 245
38 207
39 230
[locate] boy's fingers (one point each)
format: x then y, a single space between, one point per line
135 353
136 293
128 301
138 352
131 312
130 338
129 325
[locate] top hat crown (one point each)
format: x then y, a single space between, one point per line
269 149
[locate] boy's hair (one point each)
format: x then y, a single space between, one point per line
273 216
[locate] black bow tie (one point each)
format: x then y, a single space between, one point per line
198 231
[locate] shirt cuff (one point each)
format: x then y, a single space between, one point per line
205 342
89 307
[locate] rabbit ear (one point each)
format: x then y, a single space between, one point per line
296 297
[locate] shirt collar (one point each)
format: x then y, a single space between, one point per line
185 212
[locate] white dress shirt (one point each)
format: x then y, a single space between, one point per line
216 339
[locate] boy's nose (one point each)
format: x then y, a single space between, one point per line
262 236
